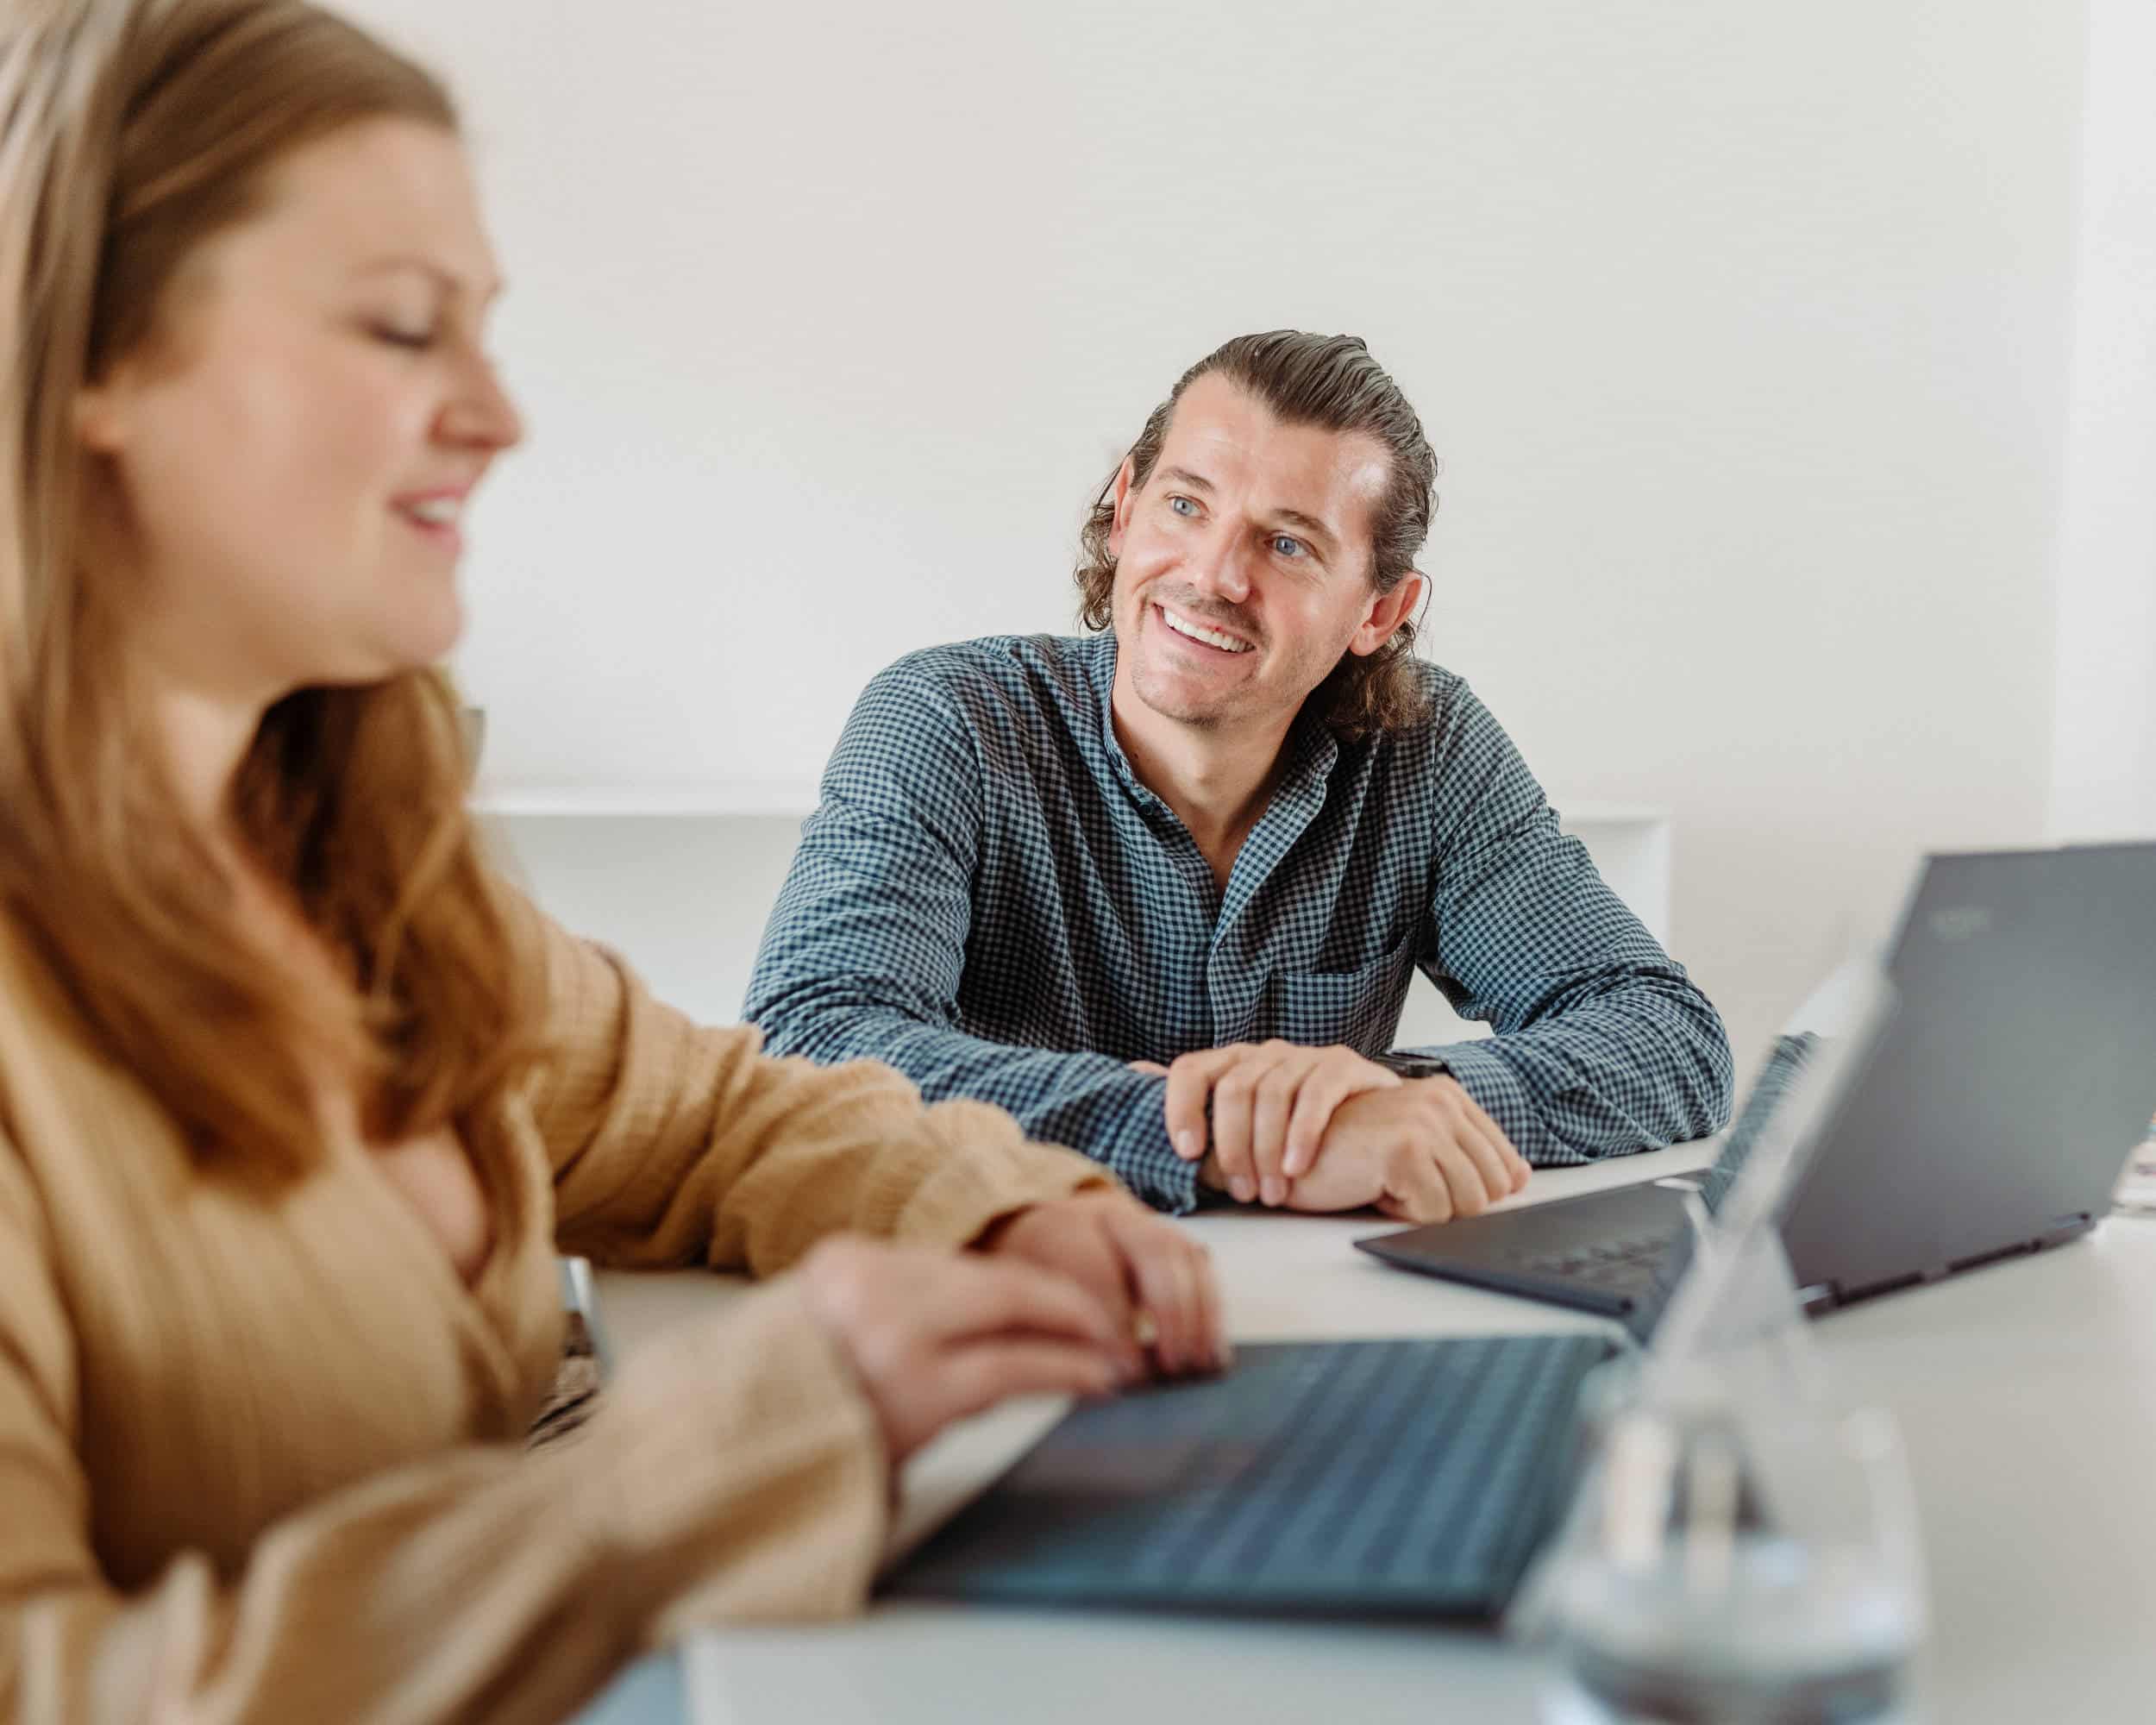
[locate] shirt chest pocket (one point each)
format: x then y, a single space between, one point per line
1358 1009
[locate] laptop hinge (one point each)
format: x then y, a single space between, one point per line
2064 1228
1892 1284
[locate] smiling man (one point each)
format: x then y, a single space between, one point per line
1160 891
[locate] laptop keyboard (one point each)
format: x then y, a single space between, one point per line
1410 1474
1642 1270
1619 1263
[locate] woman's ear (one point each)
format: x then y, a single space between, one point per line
100 416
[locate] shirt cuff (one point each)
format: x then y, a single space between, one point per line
1140 1156
1488 1077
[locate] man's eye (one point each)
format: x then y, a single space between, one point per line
1181 505
1285 547
413 339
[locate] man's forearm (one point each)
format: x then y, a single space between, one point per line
1634 1066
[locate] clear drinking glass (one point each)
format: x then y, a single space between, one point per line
1740 1572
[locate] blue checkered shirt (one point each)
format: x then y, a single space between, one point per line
989 900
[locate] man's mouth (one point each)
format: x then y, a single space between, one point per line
1220 640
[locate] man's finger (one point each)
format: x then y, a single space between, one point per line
1231 1130
1462 1174
1272 1105
1417 1181
1328 1086
1189 1084
1514 1163
1479 1144
1322 1092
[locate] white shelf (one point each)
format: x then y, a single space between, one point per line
753 800
1571 814
721 802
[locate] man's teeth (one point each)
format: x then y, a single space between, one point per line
1212 637
436 511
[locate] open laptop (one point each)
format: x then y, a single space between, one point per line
1992 1118
1403 1478
1416 1477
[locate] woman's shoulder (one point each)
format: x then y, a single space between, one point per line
42 1034
28 985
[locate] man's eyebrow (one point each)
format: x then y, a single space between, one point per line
449 278
1328 540
1308 524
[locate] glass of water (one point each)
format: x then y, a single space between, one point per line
1762 1572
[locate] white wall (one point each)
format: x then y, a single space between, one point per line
2103 776
1743 330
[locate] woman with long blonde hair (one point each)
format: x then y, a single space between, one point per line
298 1099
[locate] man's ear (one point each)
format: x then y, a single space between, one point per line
1386 612
1125 495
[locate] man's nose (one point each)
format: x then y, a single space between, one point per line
1216 569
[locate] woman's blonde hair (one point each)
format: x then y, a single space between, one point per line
131 131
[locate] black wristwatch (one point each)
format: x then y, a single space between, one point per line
1411 1065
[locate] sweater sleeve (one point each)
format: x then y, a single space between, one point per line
735 1472
672 1143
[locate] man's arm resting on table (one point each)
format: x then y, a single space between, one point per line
1324 1129
1091 1102
1604 1046
865 946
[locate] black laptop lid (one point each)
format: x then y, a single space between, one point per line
2016 1075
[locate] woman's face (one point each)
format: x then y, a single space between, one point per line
297 439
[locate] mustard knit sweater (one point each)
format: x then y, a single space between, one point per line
261 1460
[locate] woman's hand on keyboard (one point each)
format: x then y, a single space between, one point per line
1155 1281
933 1336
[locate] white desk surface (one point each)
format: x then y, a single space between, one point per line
2026 1395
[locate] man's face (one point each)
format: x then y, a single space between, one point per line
1244 562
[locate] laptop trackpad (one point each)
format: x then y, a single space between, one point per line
1138 1467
